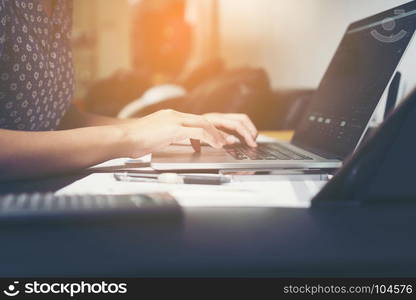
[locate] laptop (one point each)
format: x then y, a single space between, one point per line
340 112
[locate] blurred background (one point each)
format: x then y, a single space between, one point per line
279 49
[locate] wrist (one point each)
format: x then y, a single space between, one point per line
119 142
129 143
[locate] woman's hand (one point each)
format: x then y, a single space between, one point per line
235 125
167 127
31 154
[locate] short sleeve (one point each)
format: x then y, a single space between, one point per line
2 26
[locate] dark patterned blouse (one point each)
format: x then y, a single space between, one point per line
36 72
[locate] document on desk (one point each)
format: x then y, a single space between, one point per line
122 164
265 191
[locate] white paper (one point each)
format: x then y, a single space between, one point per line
265 193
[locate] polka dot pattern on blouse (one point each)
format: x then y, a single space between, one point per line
36 71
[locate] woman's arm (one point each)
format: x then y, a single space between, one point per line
34 154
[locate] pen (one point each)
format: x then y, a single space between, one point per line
172 178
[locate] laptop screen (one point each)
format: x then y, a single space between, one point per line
355 81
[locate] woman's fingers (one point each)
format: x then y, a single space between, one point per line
239 124
229 138
201 122
238 128
199 134
209 129
246 121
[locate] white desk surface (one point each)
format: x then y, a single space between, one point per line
243 191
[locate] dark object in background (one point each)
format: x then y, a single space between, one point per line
383 168
211 89
240 91
245 90
108 96
203 73
161 37
161 46
288 108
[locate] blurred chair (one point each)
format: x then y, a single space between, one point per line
155 95
284 110
108 96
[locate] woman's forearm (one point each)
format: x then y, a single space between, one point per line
30 154
33 154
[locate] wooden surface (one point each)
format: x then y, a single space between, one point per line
281 135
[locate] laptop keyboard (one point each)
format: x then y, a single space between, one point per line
265 152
